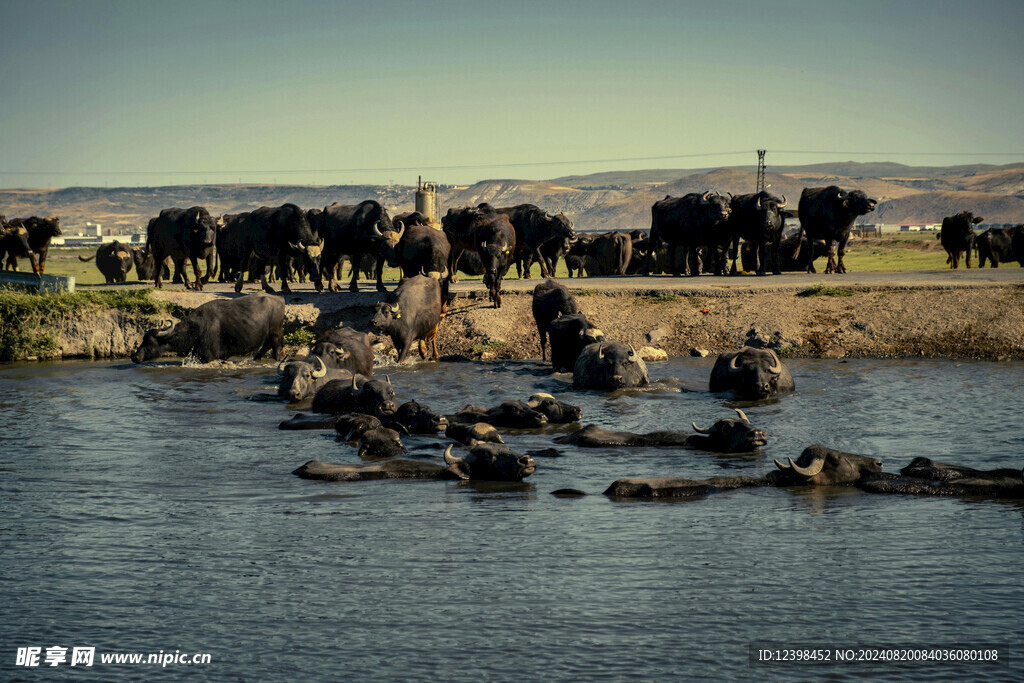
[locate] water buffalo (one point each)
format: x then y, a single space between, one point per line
471 433
39 232
113 260
412 314
827 213
383 442
926 477
509 414
795 253
220 329
415 418
355 230
495 244
345 348
570 334
231 245
692 222
751 374
822 466
275 235
300 379
730 435
14 243
610 254
354 425
557 412
957 236
576 258
421 249
757 219
608 366
1017 243
995 245
145 264
550 300
533 229
182 234
357 395
485 462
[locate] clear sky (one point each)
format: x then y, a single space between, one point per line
306 91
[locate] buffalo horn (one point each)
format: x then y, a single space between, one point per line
450 459
782 466
704 197
757 205
376 229
809 471
295 246
784 202
600 352
401 230
743 416
632 351
701 431
776 367
348 437
388 378
394 309
317 374
282 364
354 387
734 364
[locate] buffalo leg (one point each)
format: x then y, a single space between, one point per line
195 270
830 267
453 263
543 265
762 258
380 274
282 268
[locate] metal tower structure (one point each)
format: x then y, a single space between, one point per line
760 170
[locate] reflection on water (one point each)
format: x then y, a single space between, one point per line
148 508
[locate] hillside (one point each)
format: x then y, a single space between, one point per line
619 200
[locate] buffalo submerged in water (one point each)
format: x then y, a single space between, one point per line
750 374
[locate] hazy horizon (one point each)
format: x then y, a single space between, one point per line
126 94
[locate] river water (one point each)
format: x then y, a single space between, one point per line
152 509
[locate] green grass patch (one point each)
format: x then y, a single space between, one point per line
29 323
583 292
824 290
297 334
483 347
658 298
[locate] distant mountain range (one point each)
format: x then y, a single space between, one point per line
617 200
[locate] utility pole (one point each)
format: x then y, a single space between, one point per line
760 170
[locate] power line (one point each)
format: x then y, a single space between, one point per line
463 167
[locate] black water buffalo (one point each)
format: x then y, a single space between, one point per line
576 258
730 435
354 425
508 414
145 264
533 229
347 349
301 378
610 254
1017 243
411 218
570 334
488 234
822 466
926 477
608 366
552 251
14 244
220 329
275 235
550 300
231 244
691 222
411 314
416 418
356 395
421 250
355 230
383 442
39 232
757 219
827 213
995 245
485 462
114 260
556 411
182 234
470 433
957 236
789 256
751 374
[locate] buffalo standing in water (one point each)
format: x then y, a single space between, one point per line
550 300
609 366
412 315
751 374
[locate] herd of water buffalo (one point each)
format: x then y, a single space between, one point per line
696 233
337 378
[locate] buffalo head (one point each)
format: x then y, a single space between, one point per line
750 373
609 366
153 343
732 435
822 466
298 378
490 462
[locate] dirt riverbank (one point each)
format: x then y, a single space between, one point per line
862 321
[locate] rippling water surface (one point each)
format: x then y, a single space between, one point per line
149 508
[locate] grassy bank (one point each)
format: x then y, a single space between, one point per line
31 324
